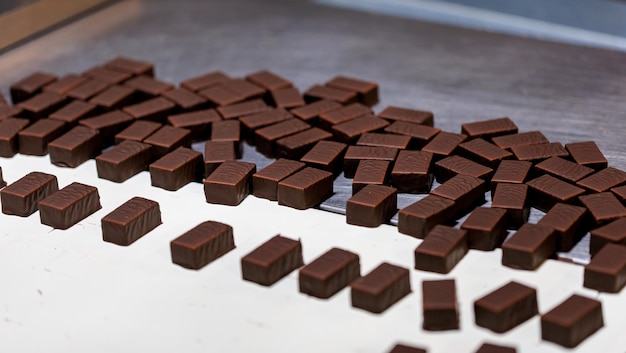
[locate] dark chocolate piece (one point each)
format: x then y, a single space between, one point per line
443 144
131 66
514 199
492 348
572 321
137 131
205 81
529 247
215 153
614 232
74 112
466 191
326 155
563 169
34 139
367 92
538 152
305 188
65 84
512 172
407 115
21 197
272 260
568 222
329 273
455 165
419 218
202 245
486 228
297 145
506 307
603 180
489 128
523 138
620 192
244 108
420 134
9 112
588 154
108 124
41 105
484 152
228 131
265 182
230 183
287 98
220 95
9 130
88 89
341 115
244 88
253 122
400 142
155 109
443 247
148 86
606 272
372 206
401 348
604 207
131 221
30 86
439 305
166 139
350 131
355 154
69 205
547 190
186 100
123 161
75 147
114 97
311 112
265 138
412 172
268 80
318 92
370 172
198 122
381 288
107 75
177 169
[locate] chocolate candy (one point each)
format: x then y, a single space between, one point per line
166 139
131 221
69 205
75 147
367 92
265 182
305 188
606 272
220 95
148 86
355 154
412 172
563 169
394 113
572 321
443 247
272 260
65 84
30 86
568 222
513 199
297 145
137 131
381 288
8 112
311 112
228 131
603 180
512 172
588 154
454 165
21 197
244 88
547 190
486 228
529 247
244 108
372 206
9 129
155 109
177 169
131 66
400 142
318 92
256 121
350 131
420 135
604 207
41 105
230 183
506 307
216 152
329 273
342 115
466 192
108 124
521 139
614 232
492 348
265 138
370 172
205 81
489 128
114 97
326 155
620 192
419 218
74 111
539 152
268 80
287 98
107 75
123 161
439 305
202 245
185 100
88 89
484 152
443 144
198 122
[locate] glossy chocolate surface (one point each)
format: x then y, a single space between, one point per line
486 228
529 247
318 92
604 207
367 92
569 222
563 169
74 111
442 249
68 206
326 155
539 152
305 188
130 221
484 152
523 138
230 183
202 245
419 218
440 306
329 273
455 165
177 169
506 307
587 154
370 172
137 131
372 206
108 124
489 128
603 180
287 98
466 191
412 172
30 85
123 161
572 321
355 154
312 111
265 182
381 288
394 113
514 199
297 145
166 139
265 138
546 191
20 198
75 147
9 140
272 260
606 272
244 108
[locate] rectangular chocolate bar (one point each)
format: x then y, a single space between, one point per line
484 152
75 147
520 139
489 128
400 142
614 232
419 218
372 206
367 92
506 307
420 117
466 191
65 84
21 197
572 321
41 105
420 134
604 207
74 112
265 182
287 98
342 115
237 110
454 165
198 122
305 188
205 81
350 131
114 97
130 221
538 152
514 199
230 183
250 123
244 88
155 109
443 144
34 139
69 205
177 169
268 80
166 139
442 249
381 288
606 272
107 75
272 260
108 124
123 161
354 154
220 95
547 190
440 306
265 138
216 152
318 92
297 145
202 245
563 169
587 154
228 131
486 228
137 131
412 172
88 89
529 247
326 155
30 86
570 223
311 112
148 86
603 180
9 140
329 273
185 100
131 66
512 172
370 172
620 192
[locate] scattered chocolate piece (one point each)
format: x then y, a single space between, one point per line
407 115
68 206
466 191
381 288
547 190
244 108
568 222
604 207
456 165
412 172
372 206
88 89
297 145
272 260
216 153
538 152
202 245
492 348
114 97
137 131
512 172
268 80
265 182
521 139
148 86
419 218
484 152
198 122
123 161
514 199
443 247
244 88
9 141
563 169
9 112
614 232
34 139
370 172
41 105
131 221
228 131
65 84
606 272
443 144
419 135
21 197
588 154
205 81
318 92
620 192
603 180
486 228
305 188
265 138
572 321
489 128
329 273
185 99
230 183
131 66
220 95
341 115
529 247
155 109
74 112
311 112
75 147
400 142
367 92
177 169
108 124
253 122
166 139
506 307
326 155
287 98
355 154
107 75
350 131
439 305
30 86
